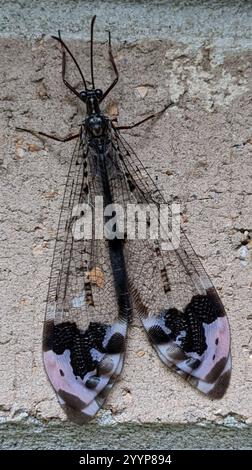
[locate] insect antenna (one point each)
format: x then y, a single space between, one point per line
91 51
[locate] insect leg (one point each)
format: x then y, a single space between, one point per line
112 60
63 72
49 136
152 116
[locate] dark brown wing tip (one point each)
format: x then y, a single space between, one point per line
76 416
221 386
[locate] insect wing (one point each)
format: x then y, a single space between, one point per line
177 302
84 336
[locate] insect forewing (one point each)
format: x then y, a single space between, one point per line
84 331
177 302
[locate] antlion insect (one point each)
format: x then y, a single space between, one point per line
96 283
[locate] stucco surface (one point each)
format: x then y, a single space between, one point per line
189 150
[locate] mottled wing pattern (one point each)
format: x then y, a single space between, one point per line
178 304
84 335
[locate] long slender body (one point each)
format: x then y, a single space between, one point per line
115 247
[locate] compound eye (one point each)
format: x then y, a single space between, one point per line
83 96
99 93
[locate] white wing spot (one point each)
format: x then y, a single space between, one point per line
78 301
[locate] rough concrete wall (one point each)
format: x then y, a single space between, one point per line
200 56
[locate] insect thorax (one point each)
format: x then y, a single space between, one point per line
96 125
